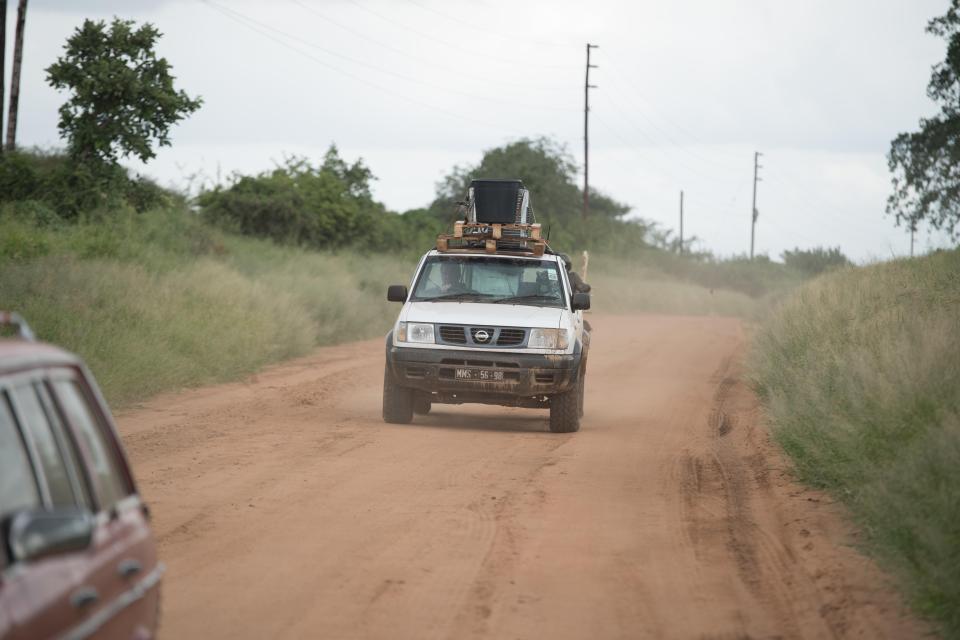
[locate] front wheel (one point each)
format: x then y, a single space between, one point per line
582 385
397 400
565 410
422 405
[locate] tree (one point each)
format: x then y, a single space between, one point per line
926 164
546 169
123 100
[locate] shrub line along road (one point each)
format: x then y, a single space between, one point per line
284 507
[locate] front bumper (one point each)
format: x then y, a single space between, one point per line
526 378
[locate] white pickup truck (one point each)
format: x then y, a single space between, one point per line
496 323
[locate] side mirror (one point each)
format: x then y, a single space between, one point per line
580 302
397 293
38 534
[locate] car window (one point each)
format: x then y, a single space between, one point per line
491 280
48 450
110 482
18 486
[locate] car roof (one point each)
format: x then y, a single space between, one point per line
17 355
478 254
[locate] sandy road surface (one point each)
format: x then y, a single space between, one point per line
286 508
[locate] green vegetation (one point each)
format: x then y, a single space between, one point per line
122 96
321 207
926 185
860 374
155 295
161 300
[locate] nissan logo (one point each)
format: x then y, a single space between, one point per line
481 336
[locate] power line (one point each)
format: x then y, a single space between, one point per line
401 76
459 46
667 151
421 59
342 72
488 32
629 147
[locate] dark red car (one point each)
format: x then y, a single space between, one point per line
77 557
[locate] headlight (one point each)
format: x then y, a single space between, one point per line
548 339
415 332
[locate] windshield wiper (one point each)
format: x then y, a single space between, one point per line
459 296
532 296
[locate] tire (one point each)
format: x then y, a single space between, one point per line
421 405
582 385
397 401
565 410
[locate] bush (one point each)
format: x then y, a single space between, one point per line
300 204
815 261
73 190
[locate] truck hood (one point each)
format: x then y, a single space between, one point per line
478 313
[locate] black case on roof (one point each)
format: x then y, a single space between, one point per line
497 201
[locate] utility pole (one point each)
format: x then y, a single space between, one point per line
913 228
753 212
681 221
586 132
3 49
15 76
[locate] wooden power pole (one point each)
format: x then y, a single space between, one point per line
15 76
3 49
753 212
586 133
681 222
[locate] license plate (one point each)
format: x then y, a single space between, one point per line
478 374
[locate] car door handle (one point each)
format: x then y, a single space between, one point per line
84 597
129 567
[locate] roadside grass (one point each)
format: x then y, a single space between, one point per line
860 375
158 305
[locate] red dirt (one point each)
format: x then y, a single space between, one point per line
285 507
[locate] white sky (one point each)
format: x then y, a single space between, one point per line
687 91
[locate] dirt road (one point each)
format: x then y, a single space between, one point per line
286 508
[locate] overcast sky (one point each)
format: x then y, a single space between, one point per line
687 91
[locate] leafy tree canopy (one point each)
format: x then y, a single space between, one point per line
546 169
326 205
122 96
926 163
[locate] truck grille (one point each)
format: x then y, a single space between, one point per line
515 337
510 337
454 335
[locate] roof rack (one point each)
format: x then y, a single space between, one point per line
493 238
498 218
11 319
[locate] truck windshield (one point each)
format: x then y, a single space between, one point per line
498 280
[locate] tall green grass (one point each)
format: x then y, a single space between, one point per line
162 301
860 374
